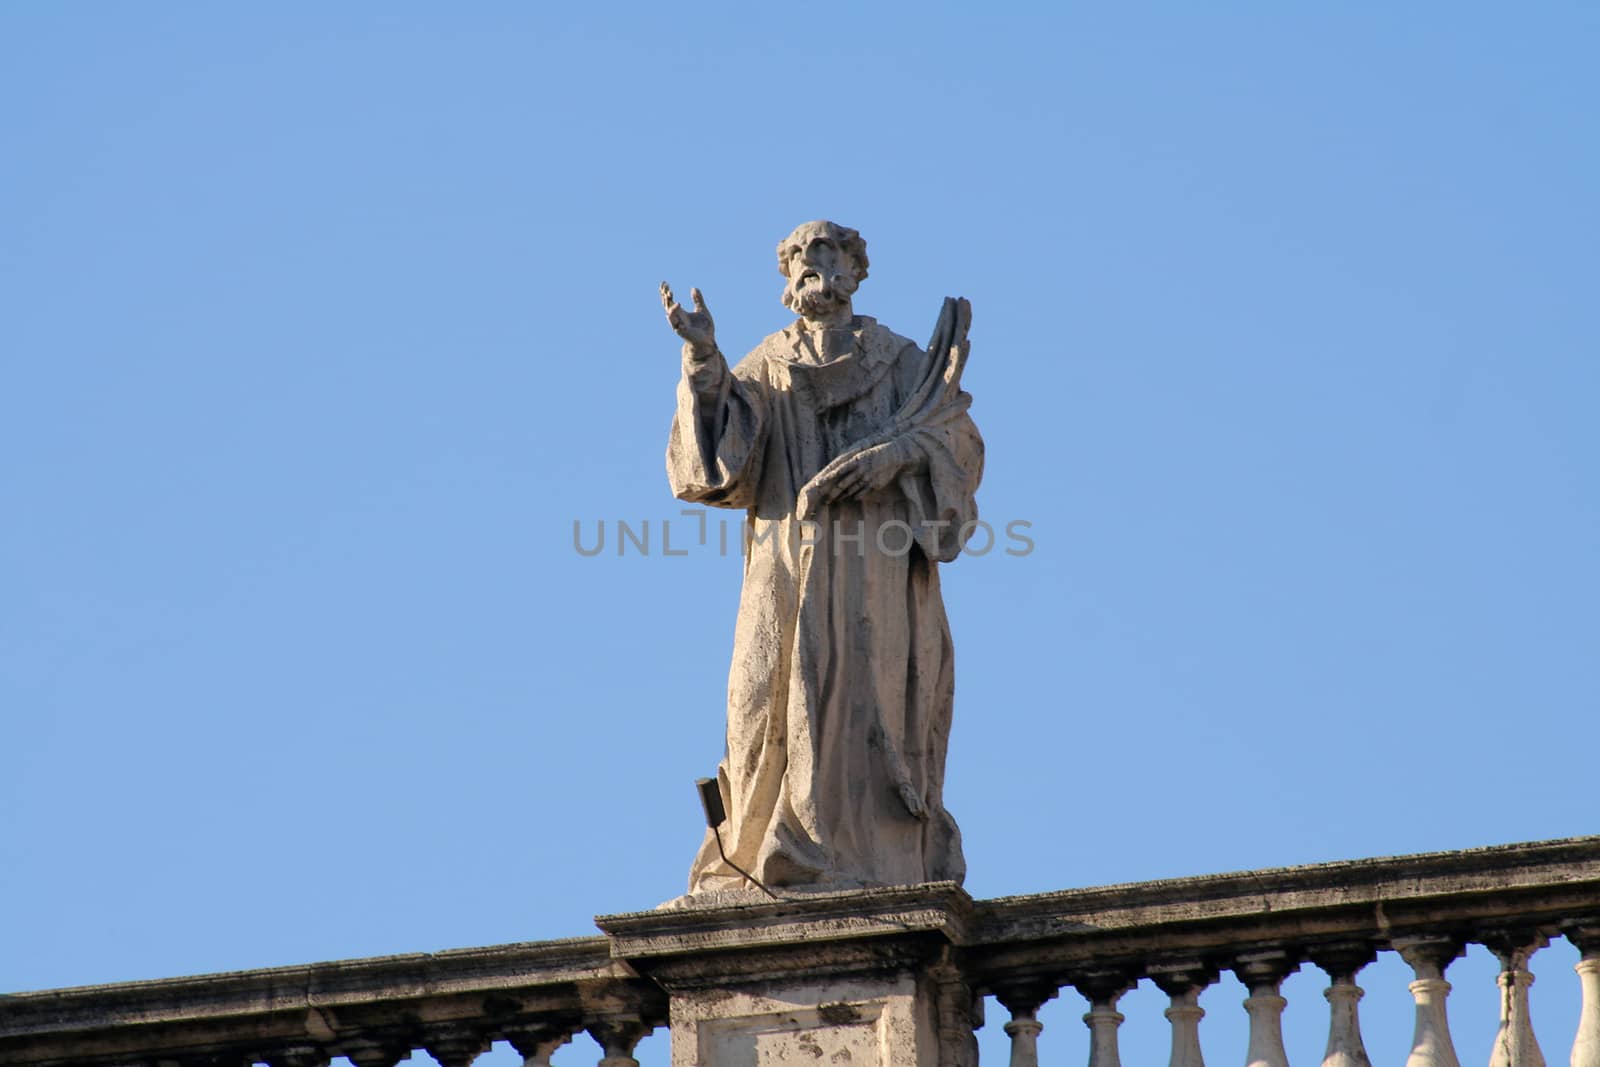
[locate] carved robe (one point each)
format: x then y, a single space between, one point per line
840 693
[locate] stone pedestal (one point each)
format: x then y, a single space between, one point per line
865 978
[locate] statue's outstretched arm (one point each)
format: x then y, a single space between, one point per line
714 455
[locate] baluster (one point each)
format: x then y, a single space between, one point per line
1515 1044
298 1056
376 1051
455 1044
1183 983
1262 973
536 1044
1342 962
1586 1046
1103 989
1022 1000
1429 956
618 1037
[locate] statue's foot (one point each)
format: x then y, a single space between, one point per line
740 896
717 898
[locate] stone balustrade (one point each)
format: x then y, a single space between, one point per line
891 976
1264 925
372 1011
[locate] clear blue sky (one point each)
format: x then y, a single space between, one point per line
321 324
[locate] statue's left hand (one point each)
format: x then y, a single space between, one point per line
868 472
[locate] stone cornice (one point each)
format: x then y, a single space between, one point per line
941 907
817 933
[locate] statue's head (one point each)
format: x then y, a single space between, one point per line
824 263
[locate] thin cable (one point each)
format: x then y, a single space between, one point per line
717 831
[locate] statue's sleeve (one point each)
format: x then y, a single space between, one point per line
719 433
941 484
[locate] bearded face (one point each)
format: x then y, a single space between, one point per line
821 279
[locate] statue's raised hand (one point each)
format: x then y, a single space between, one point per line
695 327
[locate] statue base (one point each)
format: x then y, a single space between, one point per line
865 978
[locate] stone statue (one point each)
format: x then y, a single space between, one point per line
851 449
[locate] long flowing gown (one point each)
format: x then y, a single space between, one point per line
842 683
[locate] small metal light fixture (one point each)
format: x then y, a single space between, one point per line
716 815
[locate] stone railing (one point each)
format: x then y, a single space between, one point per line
890 976
1262 925
373 1012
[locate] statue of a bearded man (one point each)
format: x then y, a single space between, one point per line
851 450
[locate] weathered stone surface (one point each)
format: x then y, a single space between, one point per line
820 934
851 449
863 978
917 954
864 1023
1219 917
1586 1045
376 1008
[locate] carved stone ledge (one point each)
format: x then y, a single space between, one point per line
298 1056
1584 935
1429 956
822 934
1514 945
1266 969
536 1042
1102 984
1342 960
456 1044
377 1051
1025 997
618 1037
1509 937
211 1059
1177 977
